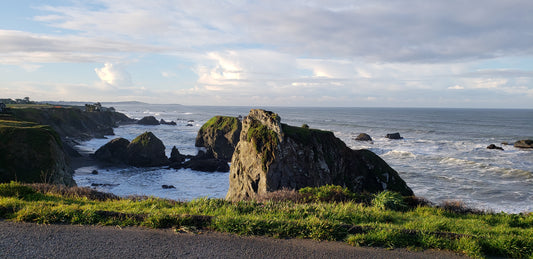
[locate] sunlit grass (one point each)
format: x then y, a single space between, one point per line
360 224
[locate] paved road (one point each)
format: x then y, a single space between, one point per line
26 240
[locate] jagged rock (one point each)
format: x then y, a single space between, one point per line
175 156
164 186
173 123
148 120
219 136
146 150
95 172
33 153
115 151
527 143
271 156
207 165
394 136
363 137
492 146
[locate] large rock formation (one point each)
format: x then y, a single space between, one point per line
271 156
147 150
115 151
32 153
219 136
144 151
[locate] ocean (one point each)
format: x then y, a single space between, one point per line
443 155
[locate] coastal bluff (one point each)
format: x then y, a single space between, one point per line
35 142
271 156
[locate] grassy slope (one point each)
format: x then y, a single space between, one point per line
360 224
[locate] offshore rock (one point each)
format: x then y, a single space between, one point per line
394 136
163 122
148 120
363 137
207 165
527 143
146 150
219 136
493 146
271 156
115 151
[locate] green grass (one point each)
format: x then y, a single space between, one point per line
359 224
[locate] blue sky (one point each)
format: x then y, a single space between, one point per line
409 53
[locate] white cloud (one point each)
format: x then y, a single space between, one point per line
456 87
113 75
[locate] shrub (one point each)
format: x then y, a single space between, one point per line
388 200
327 193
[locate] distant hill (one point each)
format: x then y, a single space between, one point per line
83 103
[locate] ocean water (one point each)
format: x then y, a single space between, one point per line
443 155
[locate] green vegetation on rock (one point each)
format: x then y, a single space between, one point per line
223 123
359 224
264 140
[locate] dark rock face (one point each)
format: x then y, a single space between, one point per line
163 122
527 143
147 150
492 146
176 156
271 156
363 137
220 136
394 136
148 120
164 186
207 165
115 151
33 153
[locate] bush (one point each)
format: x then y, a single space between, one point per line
388 200
327 193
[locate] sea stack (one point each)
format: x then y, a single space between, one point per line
271 156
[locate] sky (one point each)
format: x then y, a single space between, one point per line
411 53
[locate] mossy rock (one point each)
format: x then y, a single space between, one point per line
32 153
219 135
147 150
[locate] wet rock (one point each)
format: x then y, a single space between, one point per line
394 136
148 120
163 122
95 172
527 143
164 186
207 165
492 146
176 156
363 137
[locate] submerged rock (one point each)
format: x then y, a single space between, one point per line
271 156
527 143
394 136
219 136
363 137
492 146
148 120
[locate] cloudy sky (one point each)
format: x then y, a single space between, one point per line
413 53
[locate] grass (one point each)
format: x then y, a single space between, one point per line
364 223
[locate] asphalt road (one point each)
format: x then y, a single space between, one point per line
27 240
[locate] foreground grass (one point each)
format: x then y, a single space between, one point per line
360 224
